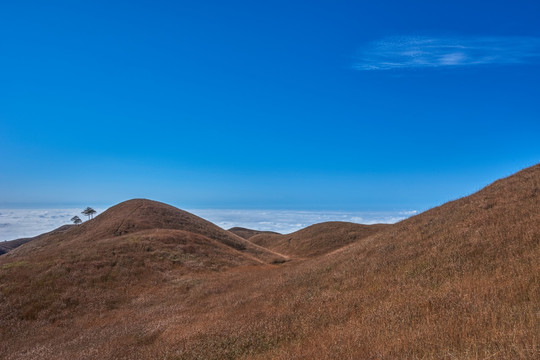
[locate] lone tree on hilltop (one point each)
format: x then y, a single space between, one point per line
89 212
76 220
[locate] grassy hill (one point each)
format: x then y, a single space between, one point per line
317 239
140 214
460 281
248 233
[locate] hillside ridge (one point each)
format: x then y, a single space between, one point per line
317 239
136 215
459 281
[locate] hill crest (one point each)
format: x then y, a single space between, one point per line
248 233
136 215
317 239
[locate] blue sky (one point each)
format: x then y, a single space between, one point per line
337 105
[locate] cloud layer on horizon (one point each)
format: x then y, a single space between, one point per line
416 52
287 221
21 223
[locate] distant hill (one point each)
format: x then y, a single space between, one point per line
247 233
6 246
140 214
460 281
317 239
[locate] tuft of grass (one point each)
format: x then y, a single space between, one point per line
15 264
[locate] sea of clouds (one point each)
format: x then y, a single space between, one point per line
21 223
287 221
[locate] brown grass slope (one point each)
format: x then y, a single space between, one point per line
461 281
266 240
247 233
60 281
141 214
136 243
317 239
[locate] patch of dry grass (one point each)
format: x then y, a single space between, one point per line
318 239
248 233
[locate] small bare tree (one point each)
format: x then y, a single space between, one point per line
76 220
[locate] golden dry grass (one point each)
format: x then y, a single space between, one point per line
317 239
461 281
248 233
140 214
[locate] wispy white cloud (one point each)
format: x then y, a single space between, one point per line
20 223
413 52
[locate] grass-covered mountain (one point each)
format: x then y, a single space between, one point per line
460 281
317 239
248 233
